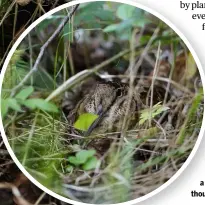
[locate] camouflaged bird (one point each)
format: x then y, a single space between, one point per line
110 101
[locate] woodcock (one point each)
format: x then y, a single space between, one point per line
117 110
110 101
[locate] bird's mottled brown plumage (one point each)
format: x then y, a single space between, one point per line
109 100
116 108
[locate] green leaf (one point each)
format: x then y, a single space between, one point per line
125 11
111 28
74 160
25 93
30 104
104 15
90 164
4 107
85 121
91 6
81 157
122 27
93 9
148 114
84 155
125 34
140 22
41 104
13 104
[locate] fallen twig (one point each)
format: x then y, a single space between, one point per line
19 199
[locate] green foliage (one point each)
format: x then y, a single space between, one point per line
160 159
12 103
40 151
149 114
13 75
128 17
118 18
81 157
90 164
84 121
97 13
36 103
4 107
25 93
112 27
20 99
84 158
190 118
125 11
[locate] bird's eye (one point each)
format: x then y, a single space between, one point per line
99 109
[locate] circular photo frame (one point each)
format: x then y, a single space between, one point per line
102 102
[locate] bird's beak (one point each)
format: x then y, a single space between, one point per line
94 125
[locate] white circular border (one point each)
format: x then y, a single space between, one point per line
175 176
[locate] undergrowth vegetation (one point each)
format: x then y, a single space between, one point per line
103 43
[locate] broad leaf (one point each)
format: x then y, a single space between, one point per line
4 107
84 155
41 104
13 104
74 160
85 121
151 113
90 164
25 93
105 15
111 28
140 22
125 11
81 157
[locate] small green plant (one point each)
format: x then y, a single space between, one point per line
84 121
21 99
120 19
84 159
128 17
151 113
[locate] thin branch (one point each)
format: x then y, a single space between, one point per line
173 64
15 192
40 198
42 50
155 73
7 12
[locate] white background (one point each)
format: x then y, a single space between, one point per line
179 192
